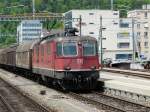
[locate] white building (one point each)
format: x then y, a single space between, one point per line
117 36
29 30
142 29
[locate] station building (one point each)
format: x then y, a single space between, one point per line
116 33
29 30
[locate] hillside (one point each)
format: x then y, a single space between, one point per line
25 6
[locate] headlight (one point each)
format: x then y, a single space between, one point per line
67 68
93 67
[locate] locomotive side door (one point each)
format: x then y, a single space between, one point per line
53 57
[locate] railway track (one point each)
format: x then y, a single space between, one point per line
109 103
138 73
5 106
12 100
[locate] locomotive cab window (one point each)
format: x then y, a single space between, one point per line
59 49
70 48
89 49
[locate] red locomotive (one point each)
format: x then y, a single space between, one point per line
70 62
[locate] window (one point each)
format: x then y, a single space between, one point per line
103 38
146 44
145 14
31 24
91 13
48 49
59 49
138 26
124 56
124 25
139 44
123 45
91 32
138 34
69 49
145 34
42 50
115 13
89 49
91 23
123 34
115 23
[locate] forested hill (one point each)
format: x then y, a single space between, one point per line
25 6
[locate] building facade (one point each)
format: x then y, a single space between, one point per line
116 32
29 30
142 31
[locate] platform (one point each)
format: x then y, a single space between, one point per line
117 81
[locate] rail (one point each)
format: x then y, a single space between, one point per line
128 72
7 105
99 105
110 103
41 107
121 100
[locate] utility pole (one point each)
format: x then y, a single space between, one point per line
133 41
80 24
100 42
112 2
33 8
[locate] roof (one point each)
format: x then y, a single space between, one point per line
8 49
25 46
91 10
71 38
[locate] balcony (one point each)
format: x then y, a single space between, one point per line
123 35
123 45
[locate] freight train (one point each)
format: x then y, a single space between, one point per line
70 62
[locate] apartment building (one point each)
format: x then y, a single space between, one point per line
141 19
116 34
29 30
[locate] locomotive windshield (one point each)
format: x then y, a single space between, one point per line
89 49
69 48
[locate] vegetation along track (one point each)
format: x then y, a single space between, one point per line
109 103
12 100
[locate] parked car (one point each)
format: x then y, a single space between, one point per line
146 64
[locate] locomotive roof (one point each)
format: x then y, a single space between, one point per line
71 38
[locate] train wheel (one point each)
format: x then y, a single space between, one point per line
61 84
